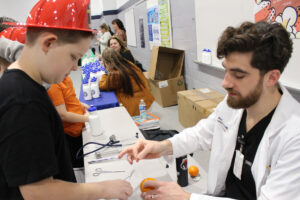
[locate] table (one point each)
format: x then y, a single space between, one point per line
106 100
117 121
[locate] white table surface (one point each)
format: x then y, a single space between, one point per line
117 121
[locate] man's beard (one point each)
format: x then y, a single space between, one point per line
245 102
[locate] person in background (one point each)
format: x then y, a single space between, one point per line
4 26
126 80
35 161
11 45
109 29
73 114
253 134
120 30
118 45
95 43
104 37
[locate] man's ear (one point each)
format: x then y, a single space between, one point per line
47 41
272 77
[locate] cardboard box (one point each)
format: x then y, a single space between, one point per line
165 92
197 104
165 63
164 75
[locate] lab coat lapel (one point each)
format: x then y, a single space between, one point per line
225 143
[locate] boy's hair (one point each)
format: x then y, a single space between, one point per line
5 26
270 43
63 35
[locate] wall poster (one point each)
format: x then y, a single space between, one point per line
286 12
159 23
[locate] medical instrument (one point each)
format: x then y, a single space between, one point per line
113 142
99 154
99 171
103 159
130 175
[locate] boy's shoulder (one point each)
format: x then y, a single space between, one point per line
17 87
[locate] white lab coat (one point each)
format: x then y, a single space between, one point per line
276 166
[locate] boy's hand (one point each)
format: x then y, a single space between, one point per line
85 107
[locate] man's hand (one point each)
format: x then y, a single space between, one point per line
147 149
165 191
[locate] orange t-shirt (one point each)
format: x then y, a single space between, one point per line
64 93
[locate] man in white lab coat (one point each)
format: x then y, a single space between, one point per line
257 124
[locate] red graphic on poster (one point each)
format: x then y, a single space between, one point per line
286 12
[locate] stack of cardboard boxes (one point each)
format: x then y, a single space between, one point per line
164 75
196 104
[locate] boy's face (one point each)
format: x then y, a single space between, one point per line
61 58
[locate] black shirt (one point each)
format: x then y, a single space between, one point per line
245 188
127 55
32 142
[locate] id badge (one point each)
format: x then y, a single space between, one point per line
238 164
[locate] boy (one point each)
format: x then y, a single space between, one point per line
35 162
73 114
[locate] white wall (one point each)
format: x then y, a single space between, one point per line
19 9
120 3
96 7
16 9
109 4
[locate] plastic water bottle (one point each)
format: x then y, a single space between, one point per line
99 74
142 108
203 56
87 94
95 122
95 88
208 57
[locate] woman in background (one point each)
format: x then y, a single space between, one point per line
120 30
104 37
126 80
118 45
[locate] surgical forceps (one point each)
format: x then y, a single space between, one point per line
99 171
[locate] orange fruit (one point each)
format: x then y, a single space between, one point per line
193 171
143 189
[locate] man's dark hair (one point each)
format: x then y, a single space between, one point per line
270 43
5 26
63 35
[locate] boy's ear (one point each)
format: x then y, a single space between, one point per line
47 41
